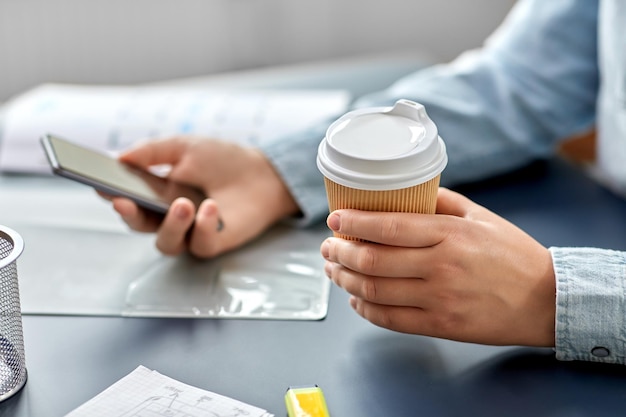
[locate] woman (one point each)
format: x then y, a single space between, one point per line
465 273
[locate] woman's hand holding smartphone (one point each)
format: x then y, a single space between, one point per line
247 195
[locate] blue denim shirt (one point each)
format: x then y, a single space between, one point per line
535 81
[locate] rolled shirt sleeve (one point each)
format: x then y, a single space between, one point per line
591 304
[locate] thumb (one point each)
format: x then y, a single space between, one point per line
157 152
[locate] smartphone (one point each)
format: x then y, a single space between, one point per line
113 177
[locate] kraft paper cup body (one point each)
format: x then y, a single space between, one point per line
383 159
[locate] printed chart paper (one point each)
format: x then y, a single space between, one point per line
144 392
112 118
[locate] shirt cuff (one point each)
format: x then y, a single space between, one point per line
590 304
294 158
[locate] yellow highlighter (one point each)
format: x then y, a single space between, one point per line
306 402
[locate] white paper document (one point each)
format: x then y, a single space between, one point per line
112 118
148 393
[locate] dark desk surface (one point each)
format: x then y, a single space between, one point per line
363 370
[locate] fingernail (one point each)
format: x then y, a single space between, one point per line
325 249
181 212
208 209
328 269
334 221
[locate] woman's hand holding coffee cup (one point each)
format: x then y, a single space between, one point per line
463 273
419 259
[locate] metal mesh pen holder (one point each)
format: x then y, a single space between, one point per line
12 360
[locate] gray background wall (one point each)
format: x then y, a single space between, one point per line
131 41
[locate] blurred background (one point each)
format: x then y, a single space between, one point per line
136 41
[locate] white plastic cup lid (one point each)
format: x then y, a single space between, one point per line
382 148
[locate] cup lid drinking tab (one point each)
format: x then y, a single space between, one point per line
382 148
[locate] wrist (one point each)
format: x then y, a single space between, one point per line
281 203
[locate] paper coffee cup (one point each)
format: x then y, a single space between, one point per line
383 159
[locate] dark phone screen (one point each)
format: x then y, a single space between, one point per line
112 176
